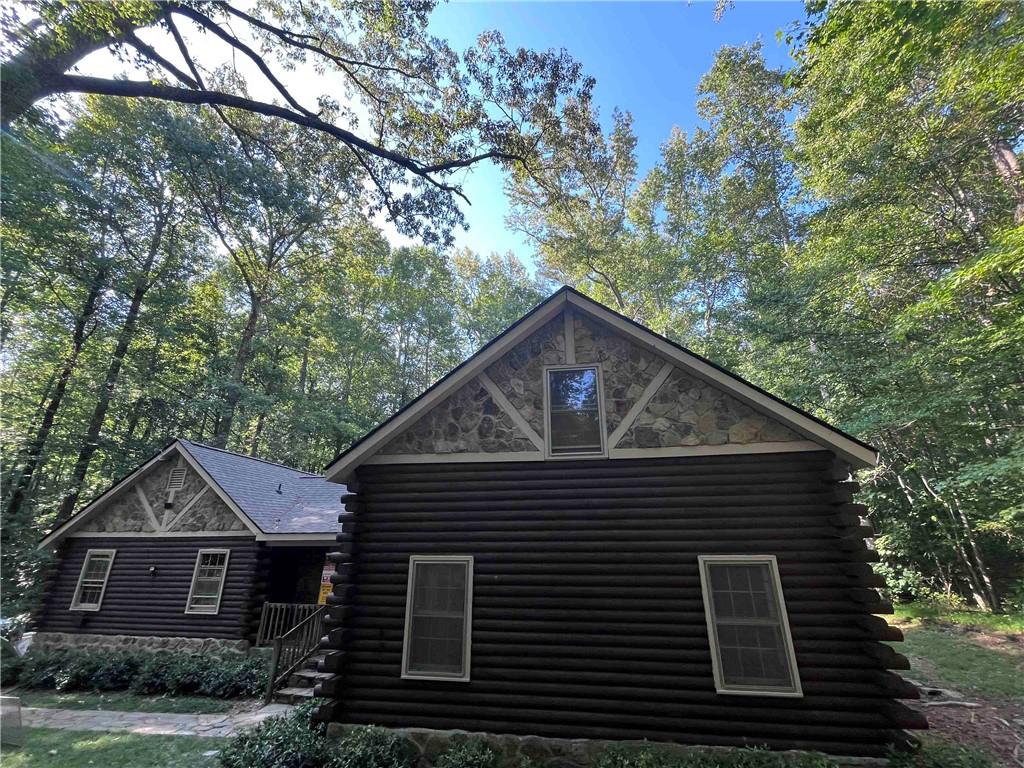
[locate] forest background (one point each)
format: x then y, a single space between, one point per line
847 234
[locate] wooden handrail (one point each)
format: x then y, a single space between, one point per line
294 647
278 618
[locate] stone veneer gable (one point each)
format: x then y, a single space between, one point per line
209 513
467 422
685 411
626 367
688 411
122 515
519 374
126 514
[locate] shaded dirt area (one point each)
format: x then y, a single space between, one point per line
962 711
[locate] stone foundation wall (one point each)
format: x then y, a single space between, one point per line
514 750
207 646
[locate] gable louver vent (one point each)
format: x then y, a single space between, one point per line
177 481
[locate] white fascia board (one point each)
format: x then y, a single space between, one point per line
341 469
221 493
99 501
858 455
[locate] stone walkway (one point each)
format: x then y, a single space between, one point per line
153 723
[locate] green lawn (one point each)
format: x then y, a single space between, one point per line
86 749
1007 622
121 701
971 652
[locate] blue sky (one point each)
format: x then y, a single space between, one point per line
647 58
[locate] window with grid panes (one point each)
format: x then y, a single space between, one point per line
747 626
438 607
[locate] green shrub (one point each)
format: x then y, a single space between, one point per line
10 663
289 741
295 741
148 673
473 753
653 757
230 679
372 747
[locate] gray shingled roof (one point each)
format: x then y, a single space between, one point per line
278 499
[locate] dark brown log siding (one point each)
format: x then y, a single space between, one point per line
587 611
140 603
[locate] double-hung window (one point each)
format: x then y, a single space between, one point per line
208 581
438 617
574 417
92 581
751 646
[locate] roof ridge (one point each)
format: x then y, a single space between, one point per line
246 456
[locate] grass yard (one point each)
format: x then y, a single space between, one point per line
964 651
88 749
121 701
981 657
927 613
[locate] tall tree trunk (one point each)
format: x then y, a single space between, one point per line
242 358
31 455
90 442
1008 167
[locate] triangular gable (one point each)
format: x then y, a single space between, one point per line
650 385
143 504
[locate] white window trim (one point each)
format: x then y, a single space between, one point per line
195 573
787 637
603 453
467 628
75 604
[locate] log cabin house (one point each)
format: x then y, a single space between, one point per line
199 549
587 531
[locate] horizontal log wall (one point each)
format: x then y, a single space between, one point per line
138 602
587 612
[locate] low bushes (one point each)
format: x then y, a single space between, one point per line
143 673
294 741
653 757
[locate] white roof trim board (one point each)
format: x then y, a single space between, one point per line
857 453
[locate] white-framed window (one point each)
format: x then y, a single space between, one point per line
574 411
438 618
208 581
92 581
748 628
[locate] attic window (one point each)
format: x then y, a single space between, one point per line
177 480
575 422
751 646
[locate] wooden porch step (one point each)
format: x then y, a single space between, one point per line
307 678
293 695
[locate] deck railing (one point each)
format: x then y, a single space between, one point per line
278 618
294 647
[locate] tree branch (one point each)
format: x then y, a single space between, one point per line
65 83
234 42
150 53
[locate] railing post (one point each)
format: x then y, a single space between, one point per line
272 680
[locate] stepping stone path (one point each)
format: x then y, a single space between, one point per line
151 723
